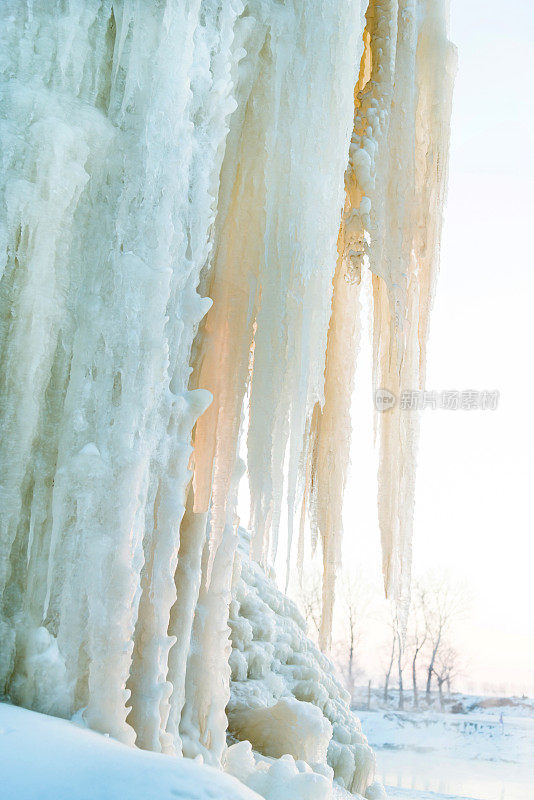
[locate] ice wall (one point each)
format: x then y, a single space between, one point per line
114 129
185 221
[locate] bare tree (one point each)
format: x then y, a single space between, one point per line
442 602
445 669
356 595
309 598
400 654
418 638
400 647
389 666
396 652
356 600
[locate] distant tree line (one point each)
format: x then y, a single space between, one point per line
418 651
425 646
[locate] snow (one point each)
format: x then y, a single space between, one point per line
468 753
414 794
477 735
284 777
52 759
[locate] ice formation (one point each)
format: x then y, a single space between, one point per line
285 698
185 221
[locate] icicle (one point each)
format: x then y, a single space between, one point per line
223 349
207 688
331 425
393 180
402 304
148 683
187 580
302 208
397 159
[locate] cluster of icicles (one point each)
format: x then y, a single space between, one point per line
173 176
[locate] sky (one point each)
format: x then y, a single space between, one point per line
475 478
477 468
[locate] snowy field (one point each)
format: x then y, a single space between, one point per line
432 755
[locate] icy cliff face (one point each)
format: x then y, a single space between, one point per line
173 178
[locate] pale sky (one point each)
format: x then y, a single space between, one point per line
475 481
476 469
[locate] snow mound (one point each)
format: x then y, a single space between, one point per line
281 778
52 759
285 698
376 792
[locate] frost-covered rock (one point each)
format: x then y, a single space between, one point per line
285 697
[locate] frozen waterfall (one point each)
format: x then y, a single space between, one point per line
190 191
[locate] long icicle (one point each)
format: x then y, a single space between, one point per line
330 430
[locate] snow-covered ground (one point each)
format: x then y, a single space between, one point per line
420 756
45 758
432 755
